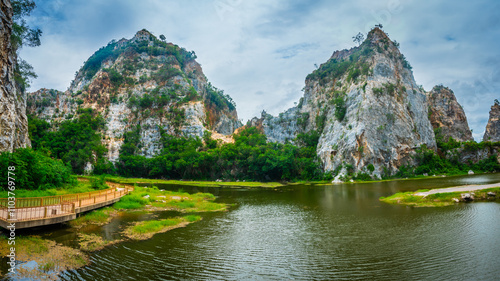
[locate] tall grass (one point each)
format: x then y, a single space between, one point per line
97 217
159 225
131 201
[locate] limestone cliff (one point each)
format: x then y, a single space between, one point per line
447 115
142 81
367 107
13 121
492 132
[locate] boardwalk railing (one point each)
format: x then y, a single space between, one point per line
53 206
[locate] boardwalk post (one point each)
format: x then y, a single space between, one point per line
41 202
45 212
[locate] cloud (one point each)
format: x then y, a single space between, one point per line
257 50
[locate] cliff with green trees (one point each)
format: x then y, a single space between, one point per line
375 121
16 73
143 84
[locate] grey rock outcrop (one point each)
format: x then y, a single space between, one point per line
13 120
447 115
492 132
280 129
367 106
142 81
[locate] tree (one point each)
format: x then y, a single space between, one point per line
22 35
358 38
497 102
379 25
162 37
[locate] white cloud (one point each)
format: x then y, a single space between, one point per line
260 52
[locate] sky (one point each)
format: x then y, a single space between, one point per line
259 52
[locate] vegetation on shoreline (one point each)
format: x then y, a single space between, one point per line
96 217
146 229
195 183
50 257
446 160
152 199
93 242
249 158
76 141
437 199
72 187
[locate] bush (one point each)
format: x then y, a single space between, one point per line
34 170
340 108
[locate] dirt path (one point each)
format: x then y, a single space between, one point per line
458 189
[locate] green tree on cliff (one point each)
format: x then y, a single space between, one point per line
23 35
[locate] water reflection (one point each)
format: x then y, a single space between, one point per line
316 232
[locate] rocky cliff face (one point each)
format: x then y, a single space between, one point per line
13 121
492 132
142 81
447 115
365 103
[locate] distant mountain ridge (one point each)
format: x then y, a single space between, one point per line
370 113
143 83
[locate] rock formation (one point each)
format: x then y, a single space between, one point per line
492 132
447 115
142 81
367 106
13 121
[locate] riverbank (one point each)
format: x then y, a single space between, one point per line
446 196
237 184
42 258
45 259
151 199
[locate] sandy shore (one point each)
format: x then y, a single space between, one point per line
464 188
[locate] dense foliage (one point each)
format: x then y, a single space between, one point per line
355 65
151 46
430 162
218 99
23 35
250 157
33 170
76 142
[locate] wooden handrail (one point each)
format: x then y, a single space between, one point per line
30 202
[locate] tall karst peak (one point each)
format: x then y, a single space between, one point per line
492 132
142 83
447 115
143 34
365 104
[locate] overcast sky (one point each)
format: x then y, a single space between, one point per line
260 52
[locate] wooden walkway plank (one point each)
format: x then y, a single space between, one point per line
36 211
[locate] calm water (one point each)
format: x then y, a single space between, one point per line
339 232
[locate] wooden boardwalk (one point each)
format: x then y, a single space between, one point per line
37 211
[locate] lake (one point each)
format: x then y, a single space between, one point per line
331 232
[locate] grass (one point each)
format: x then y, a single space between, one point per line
93 242
80 187
195 183
131 201
154 199
97 217
50 257
146 229
438 199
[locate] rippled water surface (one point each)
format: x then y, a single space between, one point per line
339 232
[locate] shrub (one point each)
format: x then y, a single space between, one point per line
34 170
